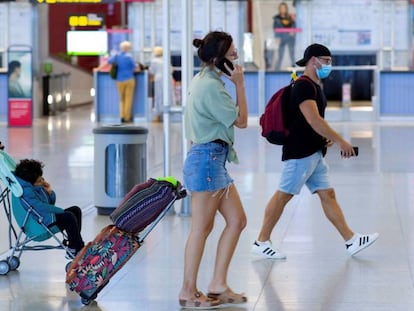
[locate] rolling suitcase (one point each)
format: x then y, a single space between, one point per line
101 258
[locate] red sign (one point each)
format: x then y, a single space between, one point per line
20 112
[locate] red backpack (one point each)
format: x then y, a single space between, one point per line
273 120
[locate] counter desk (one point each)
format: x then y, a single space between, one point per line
106 103
396 89
395 96
394 92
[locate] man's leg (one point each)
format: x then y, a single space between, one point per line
129 97
354 242
274 210
121 93
334 213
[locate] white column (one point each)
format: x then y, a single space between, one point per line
166 84
187 72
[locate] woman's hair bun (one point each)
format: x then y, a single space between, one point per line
198 43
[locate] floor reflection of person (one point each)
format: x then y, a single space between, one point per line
286 39
15 72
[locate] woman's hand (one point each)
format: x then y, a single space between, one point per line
236 75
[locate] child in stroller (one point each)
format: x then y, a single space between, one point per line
38 193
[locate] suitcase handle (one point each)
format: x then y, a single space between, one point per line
151 226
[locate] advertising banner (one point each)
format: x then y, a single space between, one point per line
20 106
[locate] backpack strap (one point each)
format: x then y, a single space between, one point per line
306 78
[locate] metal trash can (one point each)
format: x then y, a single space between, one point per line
120 158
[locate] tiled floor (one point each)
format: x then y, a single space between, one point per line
375 191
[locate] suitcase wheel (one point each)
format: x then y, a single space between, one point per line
86 301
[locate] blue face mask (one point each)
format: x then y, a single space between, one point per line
324 71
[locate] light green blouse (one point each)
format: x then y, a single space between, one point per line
210 111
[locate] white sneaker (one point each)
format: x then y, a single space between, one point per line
359 242
266 250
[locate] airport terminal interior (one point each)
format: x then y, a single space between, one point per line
374 189
370 103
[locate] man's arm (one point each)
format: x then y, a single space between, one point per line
310 111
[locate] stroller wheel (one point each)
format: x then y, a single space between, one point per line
14 262
4 267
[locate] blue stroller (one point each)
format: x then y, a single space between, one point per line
32 228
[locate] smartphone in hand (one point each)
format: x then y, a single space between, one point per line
356 151
220 65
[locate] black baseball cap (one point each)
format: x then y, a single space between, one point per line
313 50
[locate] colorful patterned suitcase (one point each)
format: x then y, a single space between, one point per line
100 259
143 203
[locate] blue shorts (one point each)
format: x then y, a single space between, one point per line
205 168
311 171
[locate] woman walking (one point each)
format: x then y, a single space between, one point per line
210 118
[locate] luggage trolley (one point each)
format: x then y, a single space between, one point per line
32 228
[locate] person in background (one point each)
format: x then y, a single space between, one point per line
39 194
156 71
210 118
281 22
303 157
125 79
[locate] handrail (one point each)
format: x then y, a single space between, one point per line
354 67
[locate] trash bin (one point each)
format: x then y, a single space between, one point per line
120 157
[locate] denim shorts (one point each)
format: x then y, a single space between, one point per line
205 168
311 171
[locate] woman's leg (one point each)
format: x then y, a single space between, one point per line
204 208
291 46
232 210
282 44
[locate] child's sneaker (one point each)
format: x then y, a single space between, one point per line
359 242
266 250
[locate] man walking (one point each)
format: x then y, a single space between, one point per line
303 156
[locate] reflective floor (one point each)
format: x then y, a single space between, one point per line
374 189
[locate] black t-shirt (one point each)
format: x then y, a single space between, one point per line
280 21
303 140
